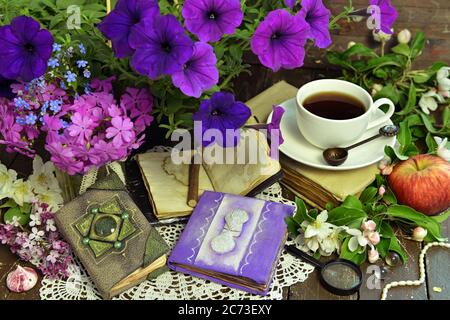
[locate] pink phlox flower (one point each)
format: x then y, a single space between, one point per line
103 85
81 127
121 131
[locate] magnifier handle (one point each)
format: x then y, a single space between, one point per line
304 256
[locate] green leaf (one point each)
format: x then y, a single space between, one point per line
368 195
389 197
402 49
302 213
352 202
342 216
390 92
292 226
383 246
428 123
404 136
422 220
412 101
356 257
336 59
414 120
421 77
386 230
431 143
8 204
394 154
360 50
417 44
442 217
329 206
22 218
446 117
395 246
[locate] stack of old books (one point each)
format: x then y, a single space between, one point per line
316 186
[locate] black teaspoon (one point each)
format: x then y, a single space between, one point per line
337 156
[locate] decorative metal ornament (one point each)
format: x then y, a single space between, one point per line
105 228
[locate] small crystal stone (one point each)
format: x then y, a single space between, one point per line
125 215
393 259
105 226
117 245
86 241
94 210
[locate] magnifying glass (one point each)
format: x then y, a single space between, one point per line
341 277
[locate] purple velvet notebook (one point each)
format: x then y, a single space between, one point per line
233 240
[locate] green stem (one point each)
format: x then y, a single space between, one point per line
226 81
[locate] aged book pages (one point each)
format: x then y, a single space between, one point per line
167 183
247 173
320 186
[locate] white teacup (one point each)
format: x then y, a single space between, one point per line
326 133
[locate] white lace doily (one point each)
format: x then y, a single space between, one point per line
172 285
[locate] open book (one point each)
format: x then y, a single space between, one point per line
168 183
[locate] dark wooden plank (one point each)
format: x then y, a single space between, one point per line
438 269
312 290
408 271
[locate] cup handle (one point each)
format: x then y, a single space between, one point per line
377 104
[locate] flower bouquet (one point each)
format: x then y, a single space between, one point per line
91 78
27 224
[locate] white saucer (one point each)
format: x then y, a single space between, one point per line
296 147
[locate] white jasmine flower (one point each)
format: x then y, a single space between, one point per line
21 192
404 36
53 199
331 243
443 82
318 233
319 228
442 149
428 101
43 177
357 239
7 178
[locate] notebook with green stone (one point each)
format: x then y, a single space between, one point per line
112 238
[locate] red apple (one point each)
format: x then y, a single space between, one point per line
423 183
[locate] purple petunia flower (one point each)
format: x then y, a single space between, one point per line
318 18
24 49
211 19
280 39
222 112
199 73
118 24
273 128
161 45
388 15
290 3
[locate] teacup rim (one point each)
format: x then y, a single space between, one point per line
366 114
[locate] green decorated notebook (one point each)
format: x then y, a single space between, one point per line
112 238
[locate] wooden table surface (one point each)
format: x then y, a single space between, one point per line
433 17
